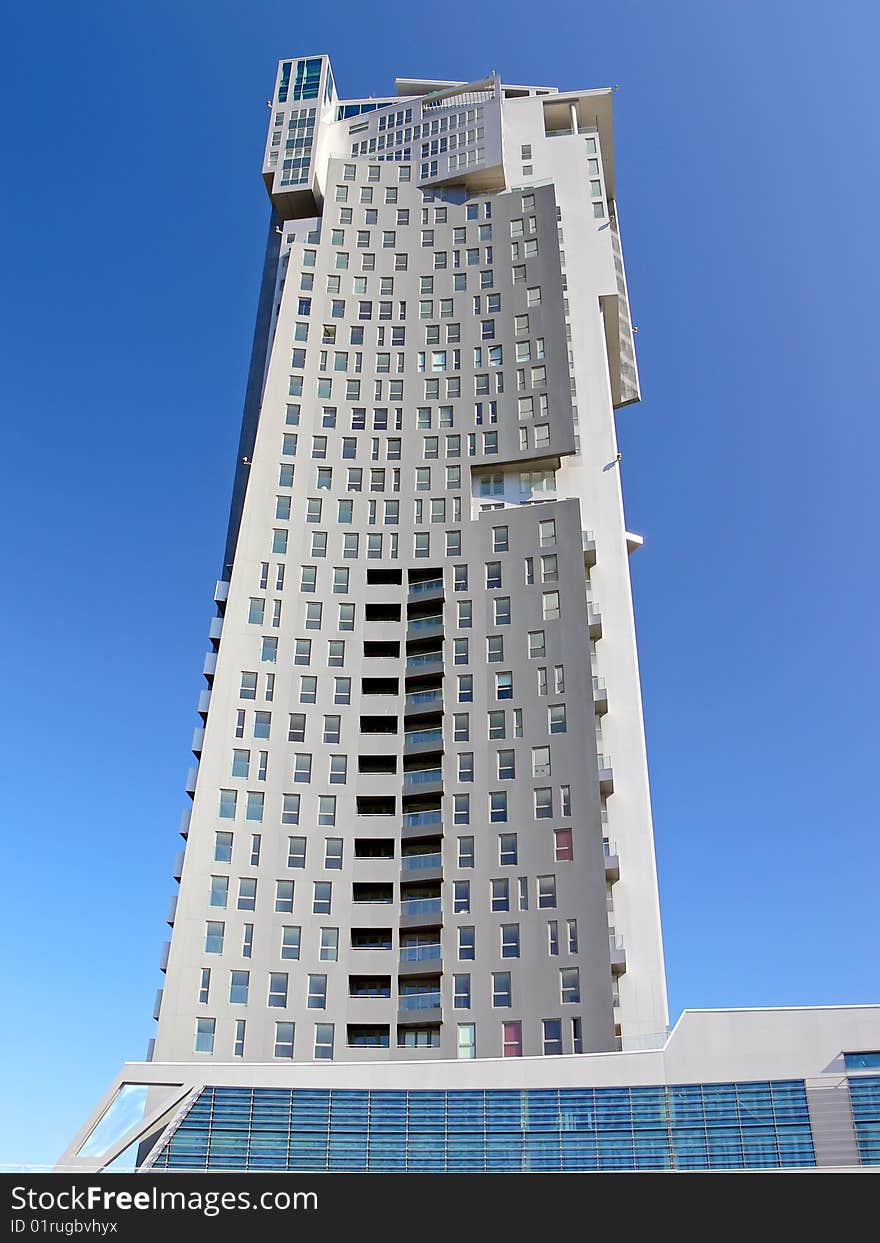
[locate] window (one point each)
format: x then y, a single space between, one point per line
494 649
467 1040
278 989
553 938
290 942
284 1039
546 892
323 1041
302 767
238 987
461 896
338 769
461 809
499 890
223 846
507 849
546 533
572 930
317 994
569 981
498 807
552 1035
540 761
262 724
228 799
205 1035
562 845
219 891
537 645
205 986
214 935
460 651
496 724
501 606
461 992
544 803
465 691
556 719
322 897
511 1035
461 733
332 848
290 809
504 685
501 994
329 951
510 940
296 853
284 894
506 765
465 852
550 605
466 944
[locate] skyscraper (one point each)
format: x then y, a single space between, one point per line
408 840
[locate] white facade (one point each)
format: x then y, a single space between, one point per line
408 835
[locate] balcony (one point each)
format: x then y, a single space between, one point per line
606 775
417 824
589 544
422 867
198 741
157 1004
163 955
185 817
418 739
419 1007
415 955
612 862
172 911
425 589
423 779
428 626
210 666
424 701
421 912
618 954
192 777
600 697
177 871
424 662
215 630
594 619
204 704
423 861
221 592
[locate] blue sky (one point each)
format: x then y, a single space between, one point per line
133 220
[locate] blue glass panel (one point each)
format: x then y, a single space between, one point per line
869 1060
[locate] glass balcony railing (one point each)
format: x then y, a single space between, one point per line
421 906
423 658
416 863
417 737
418 698
419 953
419 1001
422 776
424 623
428 584
609 848
415 819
